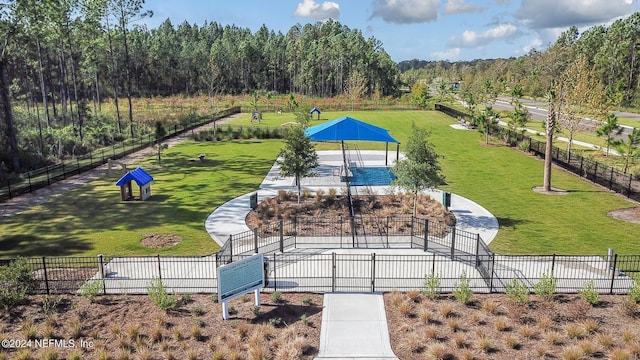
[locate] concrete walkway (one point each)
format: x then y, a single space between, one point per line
354 326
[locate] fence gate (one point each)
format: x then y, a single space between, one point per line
353 272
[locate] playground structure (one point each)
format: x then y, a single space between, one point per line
142 178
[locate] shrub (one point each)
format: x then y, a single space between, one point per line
546 287
517 292
91 289
432 286
462 290
307 301
197 311
589 293
50 304
634 292
276 321
158 294
16 279
276 297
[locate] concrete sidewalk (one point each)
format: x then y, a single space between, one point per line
354 326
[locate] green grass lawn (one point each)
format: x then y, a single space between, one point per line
185 193
501 179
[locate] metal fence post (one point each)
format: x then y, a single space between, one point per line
611 179
453 243
353 231
493 267
281 231
46 279
613 272
341 229
159 270
230 248
477 249
373 272
553 263
433 264
275 283
101 265
48 178
411 228
426 235
333 272
255 239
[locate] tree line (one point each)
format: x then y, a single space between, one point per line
61 60
612 52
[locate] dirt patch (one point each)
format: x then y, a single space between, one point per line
159 241
631 215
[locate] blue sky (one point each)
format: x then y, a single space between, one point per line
421 29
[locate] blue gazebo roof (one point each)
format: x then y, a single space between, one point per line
138 175
346 128
315 110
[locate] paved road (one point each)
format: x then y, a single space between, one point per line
538 112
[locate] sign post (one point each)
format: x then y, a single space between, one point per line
239 278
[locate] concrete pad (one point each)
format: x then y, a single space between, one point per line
354 326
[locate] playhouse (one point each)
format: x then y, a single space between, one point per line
142 179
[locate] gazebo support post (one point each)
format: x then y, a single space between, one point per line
386 154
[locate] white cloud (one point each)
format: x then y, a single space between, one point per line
533 44
544 14
471 39
312 10
451 54
460 7
502 2
405 11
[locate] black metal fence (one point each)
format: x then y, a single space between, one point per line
594 171
308 254
318 270
345 232
39 178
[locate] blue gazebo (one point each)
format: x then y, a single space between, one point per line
346 128
142 178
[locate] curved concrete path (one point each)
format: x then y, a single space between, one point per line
229 218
